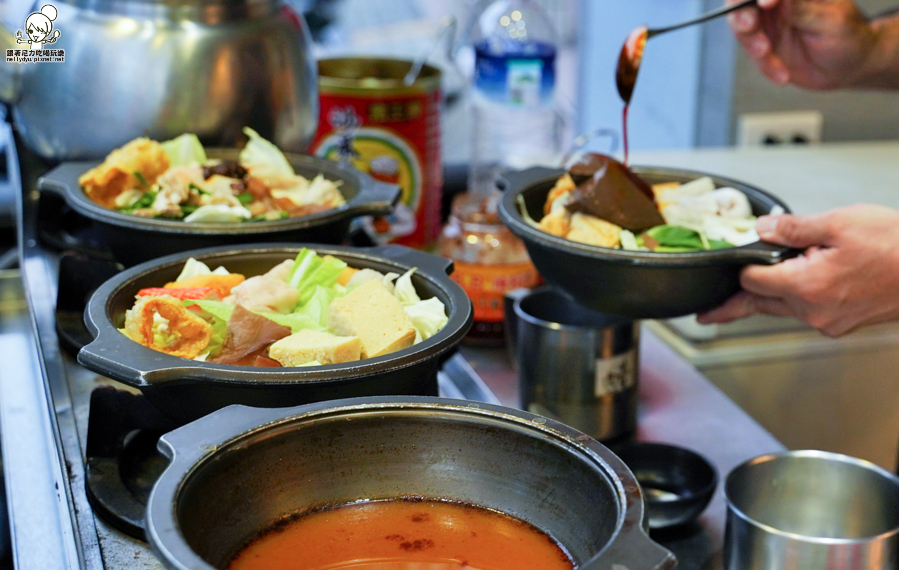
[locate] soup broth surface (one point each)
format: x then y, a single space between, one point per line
403 535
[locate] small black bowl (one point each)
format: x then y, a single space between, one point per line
677 483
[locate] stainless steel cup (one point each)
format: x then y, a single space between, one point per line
811 510
575 365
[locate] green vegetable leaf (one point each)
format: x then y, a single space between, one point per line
145 201
523 209
404 290
317 306
675 239
185 150
262 155
192 268
142 180
311 270
193 186
428 316
219 313
188 208
245 198
295 321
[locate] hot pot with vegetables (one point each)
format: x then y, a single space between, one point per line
274 326
639 242
307 311
150 198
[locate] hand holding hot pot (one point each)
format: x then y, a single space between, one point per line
846 278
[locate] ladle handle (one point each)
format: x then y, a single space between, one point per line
702 18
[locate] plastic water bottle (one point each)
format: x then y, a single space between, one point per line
515 123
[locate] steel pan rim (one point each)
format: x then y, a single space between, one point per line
805 539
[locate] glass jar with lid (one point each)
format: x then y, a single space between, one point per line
489 261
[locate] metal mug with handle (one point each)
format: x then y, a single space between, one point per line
575 365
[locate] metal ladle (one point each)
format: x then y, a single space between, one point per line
632 52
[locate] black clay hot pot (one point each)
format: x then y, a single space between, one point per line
635 284
187 389
134 240
238 471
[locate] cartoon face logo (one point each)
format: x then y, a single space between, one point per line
39 28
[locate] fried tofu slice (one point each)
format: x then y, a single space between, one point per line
308 346
564 185
660 188
557 223
115 175
373 314
594 231
182 333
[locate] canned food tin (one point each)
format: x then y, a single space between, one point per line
372 120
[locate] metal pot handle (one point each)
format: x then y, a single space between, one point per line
375 198
415 258
198 438
104 352
514 179
59 179
760 253
632 550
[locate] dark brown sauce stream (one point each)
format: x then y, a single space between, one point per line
629 61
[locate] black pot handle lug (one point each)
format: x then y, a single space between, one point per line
515 179
762 253
375 198
632 550
415 258
109 350
58 180
94 356
191 442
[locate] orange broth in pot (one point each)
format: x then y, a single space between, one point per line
403 534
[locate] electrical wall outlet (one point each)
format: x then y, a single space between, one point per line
793 127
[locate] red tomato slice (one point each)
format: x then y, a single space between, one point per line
187 293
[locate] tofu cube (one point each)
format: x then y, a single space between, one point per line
373 314
594 231
309 346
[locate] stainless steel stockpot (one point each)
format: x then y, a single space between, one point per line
158 69
237 471
811 510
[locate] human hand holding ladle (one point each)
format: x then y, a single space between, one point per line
632 52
